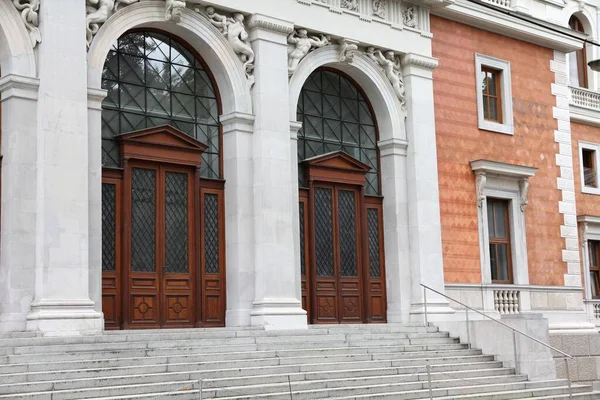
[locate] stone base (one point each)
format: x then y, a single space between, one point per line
278 314
12 322
237 317
437 310
65 318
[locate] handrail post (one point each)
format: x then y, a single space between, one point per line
568 377
425 305
514 334
468 333
290 386
200 390
429 380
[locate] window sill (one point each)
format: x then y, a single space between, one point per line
496 127
590 190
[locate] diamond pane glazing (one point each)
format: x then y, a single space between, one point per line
347 233
324 232
176 223
153 80
211 233
335 116
108 227
143 220
373 233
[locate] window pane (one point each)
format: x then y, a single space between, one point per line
492 78
588 158
493 262
594 283
483 82
573 69
502 262
490 218
593 248
500 217
493 113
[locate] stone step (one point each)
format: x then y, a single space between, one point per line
125 353
502 391
386 382
297 364
240 381
138 361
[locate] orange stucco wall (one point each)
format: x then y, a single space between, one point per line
459 141
587 204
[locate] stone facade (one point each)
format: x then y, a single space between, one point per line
416 69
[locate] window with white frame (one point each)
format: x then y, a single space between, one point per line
589 156
494 94
590 240
501 199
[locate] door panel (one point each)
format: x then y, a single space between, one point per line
375 288
144 278
304 252
175 243
111 251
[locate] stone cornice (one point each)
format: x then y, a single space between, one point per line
419 61
259 21
502 169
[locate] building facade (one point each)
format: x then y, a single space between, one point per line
172 164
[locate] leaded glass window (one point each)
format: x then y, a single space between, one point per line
211 233
109 222
336 116
154 80
176 223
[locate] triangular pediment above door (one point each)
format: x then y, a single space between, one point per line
161 143
337 166
338 160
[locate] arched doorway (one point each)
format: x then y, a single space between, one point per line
341 227
162 188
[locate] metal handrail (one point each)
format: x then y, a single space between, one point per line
493 319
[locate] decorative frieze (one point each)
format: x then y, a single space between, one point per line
351 5
300 44
393 71
29 15
379 8
409 17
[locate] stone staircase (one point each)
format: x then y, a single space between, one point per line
335 362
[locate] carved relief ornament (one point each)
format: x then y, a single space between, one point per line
348 49
392 69
480 181
523 189
351 5
99 11
29 15
234 29
300 44
379 8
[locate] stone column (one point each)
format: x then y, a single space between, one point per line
239 213
396 230
423 192
95 97
62 301
276 305
18 240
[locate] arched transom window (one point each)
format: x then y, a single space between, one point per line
336 116
154 80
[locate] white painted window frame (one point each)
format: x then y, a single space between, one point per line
507 125
508 182
596 148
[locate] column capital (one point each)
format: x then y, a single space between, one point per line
295 126
95 97
419 61
237 121
270 24
19 86
392 146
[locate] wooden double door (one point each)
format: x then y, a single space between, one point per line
341 243
162 237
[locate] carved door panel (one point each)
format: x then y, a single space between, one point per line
111 250
337 266
303 215
160 259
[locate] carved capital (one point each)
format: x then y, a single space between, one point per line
480 181
523 189
416 60
29 15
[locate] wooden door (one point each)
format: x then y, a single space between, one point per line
160 258
337 260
